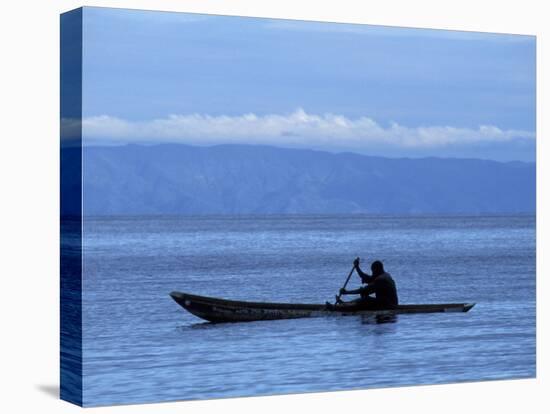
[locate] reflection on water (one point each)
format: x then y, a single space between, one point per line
140 346
366 320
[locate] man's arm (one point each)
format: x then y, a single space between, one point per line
367 290
364 290
350 292
365 277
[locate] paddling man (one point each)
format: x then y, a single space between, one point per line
380 283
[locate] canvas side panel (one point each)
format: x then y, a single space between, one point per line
71 207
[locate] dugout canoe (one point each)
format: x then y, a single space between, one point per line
223 310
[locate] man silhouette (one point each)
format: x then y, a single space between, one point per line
380 283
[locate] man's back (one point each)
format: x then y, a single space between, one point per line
383 286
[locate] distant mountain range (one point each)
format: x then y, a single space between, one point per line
248 179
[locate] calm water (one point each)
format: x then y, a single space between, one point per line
140 346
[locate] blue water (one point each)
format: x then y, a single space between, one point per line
140 346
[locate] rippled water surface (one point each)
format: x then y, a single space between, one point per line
140 346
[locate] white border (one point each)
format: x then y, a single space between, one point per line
29 173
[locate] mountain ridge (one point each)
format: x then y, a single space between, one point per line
257 179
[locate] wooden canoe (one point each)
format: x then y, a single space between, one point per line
223 310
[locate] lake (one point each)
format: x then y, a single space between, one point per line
140 346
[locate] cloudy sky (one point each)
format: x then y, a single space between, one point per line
152 77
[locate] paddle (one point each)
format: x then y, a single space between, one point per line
339 295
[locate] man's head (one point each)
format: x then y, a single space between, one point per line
377 268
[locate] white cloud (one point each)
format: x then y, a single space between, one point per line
295 129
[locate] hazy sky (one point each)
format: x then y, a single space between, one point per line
174 77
